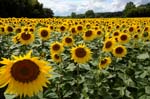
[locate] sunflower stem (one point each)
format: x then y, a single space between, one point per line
78 74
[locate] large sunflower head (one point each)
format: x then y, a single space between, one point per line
56 47
81 54
89 35
26 38
108 45
104 62
68 41
119 51
44 33
24 75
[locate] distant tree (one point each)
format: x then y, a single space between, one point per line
129 6
73 15
89 14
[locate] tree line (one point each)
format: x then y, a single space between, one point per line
130 10
24 8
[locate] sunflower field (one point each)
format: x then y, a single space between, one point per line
58 58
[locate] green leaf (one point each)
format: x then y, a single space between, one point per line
143 56
85 66
71 67
147 89
7 96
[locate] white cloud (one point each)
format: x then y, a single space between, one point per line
65 7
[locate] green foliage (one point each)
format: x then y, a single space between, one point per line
89 14
23 8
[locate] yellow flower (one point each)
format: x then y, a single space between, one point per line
24 75
124 38
56 47
68 41
108 45
56 58
26 38
81 54
44 33
104 62
119 51
89 35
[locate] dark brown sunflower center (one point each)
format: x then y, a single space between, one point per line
119 50
135 36
62 28
25 71
9 29
25 36
73 30
88 33
2 29
56 47
123 37
44 33
131 29
79 28
68 40
80 52
56 56
104 61
31 30
108 44
116 34
99 32
146 28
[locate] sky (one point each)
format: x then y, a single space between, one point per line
66 7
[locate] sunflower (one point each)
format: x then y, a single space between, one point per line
18 30
24 75
81 54
56 57
44 33
68 41
124 38
119 51
56 47
15 39
73 30
89 35
104 62
62 28
26 38
99 33
9 29
108 45
79 28
145 35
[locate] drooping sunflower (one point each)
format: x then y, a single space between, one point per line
81 54
15 39
44 33
104 62
108 45
68 41
56 47
119 51
26 38
24 75
56 57
89 35
124 38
